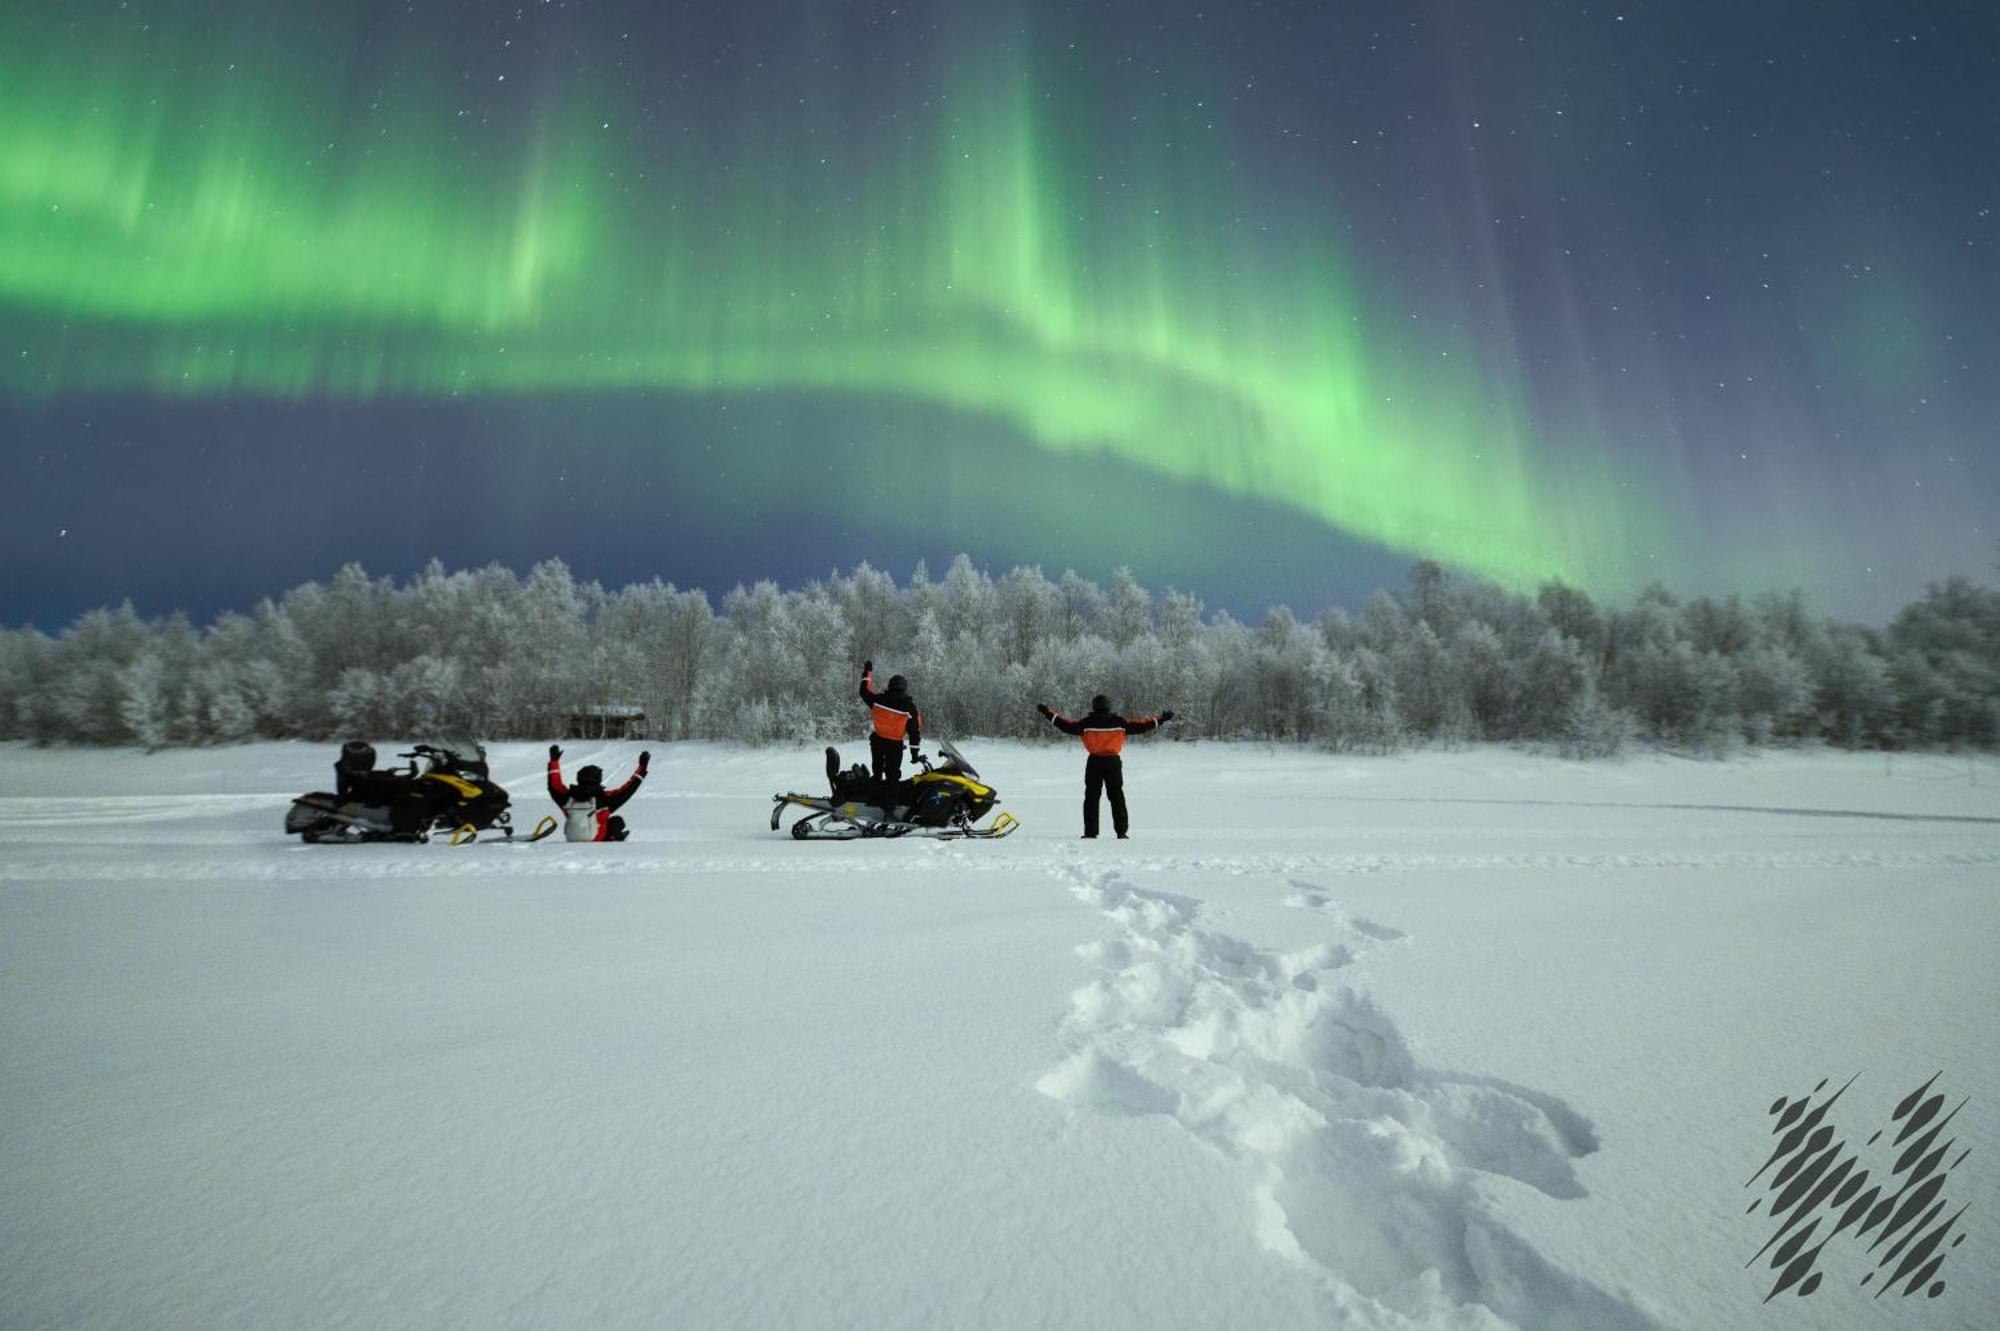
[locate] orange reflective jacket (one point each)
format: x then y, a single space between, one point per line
1104 742
1103 733
889 722
893 722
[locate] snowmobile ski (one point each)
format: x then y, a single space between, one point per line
826 823
467 833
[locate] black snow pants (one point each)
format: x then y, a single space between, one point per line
1105 772
885 760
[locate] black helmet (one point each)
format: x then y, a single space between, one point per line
589 775
897 684
357 755
1100 703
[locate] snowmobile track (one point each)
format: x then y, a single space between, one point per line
136 862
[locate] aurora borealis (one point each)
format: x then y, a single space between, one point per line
1267 303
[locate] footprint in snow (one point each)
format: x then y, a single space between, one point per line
1310 896
1370 1168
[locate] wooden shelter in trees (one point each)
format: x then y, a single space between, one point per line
610 721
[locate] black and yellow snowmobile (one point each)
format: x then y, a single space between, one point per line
942 800
446 788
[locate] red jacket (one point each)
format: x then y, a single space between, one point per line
587 812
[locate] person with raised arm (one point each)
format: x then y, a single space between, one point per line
896 720
1103 733
589 810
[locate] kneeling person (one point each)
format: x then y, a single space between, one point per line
589 810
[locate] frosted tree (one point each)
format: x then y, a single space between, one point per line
929 670
821 698
1430 597
1954 632
1066 671
1082 605
227 716
1853 694
1723 627
1427 688
1555 679
1231 704
26 691
1383 727
424 697
1145 680
1339 703
1282 677
1337 630
965 605
144 708
1774 693
88 694
1383 623
922 594
875 611
1028 608
1189 668
1572 614
502 656
1487 679
544 676
359 704
1129 612
762 665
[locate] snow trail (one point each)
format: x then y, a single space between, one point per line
1366 1167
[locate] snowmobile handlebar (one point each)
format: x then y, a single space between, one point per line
421 755
431 751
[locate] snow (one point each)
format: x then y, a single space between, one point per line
1451 1039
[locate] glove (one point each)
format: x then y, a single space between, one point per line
555 752
1045 709
645 757
1166 716
867 667
915 754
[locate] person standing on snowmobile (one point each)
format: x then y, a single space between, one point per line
588 808
896 718
1103 733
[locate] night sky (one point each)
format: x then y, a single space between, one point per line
1265 300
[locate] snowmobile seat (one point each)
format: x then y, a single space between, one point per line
856 783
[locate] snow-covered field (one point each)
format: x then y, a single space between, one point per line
1448 1039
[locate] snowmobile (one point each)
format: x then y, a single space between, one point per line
942 800
442 790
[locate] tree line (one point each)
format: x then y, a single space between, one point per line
490 653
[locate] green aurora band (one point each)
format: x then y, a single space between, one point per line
191 237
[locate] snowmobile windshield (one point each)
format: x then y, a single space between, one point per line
464 748
957 758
